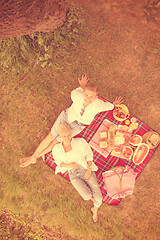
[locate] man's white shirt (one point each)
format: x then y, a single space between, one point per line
90 111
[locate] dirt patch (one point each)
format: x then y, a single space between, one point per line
19 18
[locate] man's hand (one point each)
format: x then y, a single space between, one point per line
83 80
24 162
87 174
118 100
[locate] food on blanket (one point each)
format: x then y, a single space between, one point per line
119 140
133 120
127 122
111 130
126 138
103 135
152 139
103 140
127 152
119 134
111 137
120 112
117 149
130 129
114 153
140 153
124 127
103 143
133 126
135 140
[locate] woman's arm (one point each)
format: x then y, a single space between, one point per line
71 165
89 170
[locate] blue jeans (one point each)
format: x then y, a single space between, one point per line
63 118
86 188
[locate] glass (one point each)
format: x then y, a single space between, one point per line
82 111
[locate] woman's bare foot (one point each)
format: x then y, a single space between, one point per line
94 210
24 162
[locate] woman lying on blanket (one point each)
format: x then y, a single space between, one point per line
75 156
80 114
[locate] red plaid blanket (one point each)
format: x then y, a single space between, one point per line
106 163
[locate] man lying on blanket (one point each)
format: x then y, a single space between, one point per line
80 114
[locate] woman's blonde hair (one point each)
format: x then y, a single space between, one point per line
64 127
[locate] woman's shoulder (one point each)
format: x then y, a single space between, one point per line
79 141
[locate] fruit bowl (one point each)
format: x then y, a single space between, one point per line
135 140
127 152
140 153
120 112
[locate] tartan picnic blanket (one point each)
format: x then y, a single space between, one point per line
106 162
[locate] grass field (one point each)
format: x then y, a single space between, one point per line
122 55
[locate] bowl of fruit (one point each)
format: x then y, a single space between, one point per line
127 152
120 112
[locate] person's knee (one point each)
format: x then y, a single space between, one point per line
83 190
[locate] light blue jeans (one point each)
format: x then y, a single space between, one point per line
86 188
63 118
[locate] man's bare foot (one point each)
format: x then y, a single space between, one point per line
24 162
94 210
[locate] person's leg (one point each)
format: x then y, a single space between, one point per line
76 129
79 184
46 143
96 193
24 162
49 148
62 118
95 189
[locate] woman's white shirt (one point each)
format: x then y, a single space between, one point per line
81 153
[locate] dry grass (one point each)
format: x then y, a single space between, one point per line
117 51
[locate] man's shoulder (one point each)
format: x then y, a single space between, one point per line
79 140
56 147
77 94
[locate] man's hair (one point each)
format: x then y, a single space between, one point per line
91 86
64 127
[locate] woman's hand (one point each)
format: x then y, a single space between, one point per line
87 174
24 162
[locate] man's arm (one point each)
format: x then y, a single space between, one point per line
24 162
83 81
118 101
